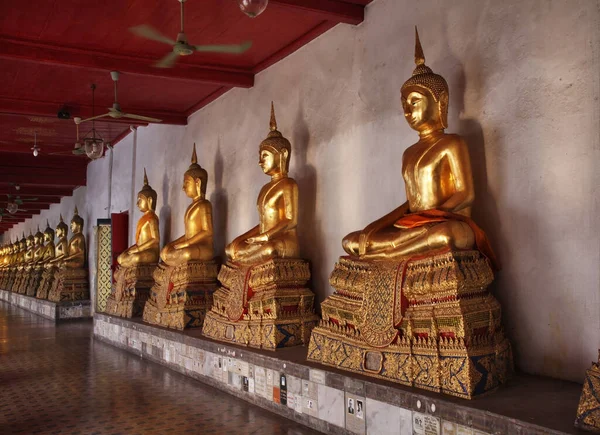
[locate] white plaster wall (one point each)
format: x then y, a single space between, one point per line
524 86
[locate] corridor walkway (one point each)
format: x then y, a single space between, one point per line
58 380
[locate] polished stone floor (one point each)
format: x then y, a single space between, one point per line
55 379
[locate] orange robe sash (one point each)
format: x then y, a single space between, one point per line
415 220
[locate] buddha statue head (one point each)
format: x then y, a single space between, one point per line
38 237
61 228
146 197
23 243
195 179
425 96
275 150
30 240
48 233
76 222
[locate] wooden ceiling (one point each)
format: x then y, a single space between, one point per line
52 51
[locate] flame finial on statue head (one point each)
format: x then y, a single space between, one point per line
424 78
148 192
197 172
276 142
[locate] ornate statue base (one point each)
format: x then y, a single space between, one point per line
588 411
33 281
181 295
131 290
265 306
20 281
47 281
429 323
69 285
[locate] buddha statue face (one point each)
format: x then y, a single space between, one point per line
192 186
37 239
271 161
421 110
60 233
144 203
75 227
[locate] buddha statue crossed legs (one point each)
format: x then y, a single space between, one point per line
187 276
71 279
133 278
413 291
263 283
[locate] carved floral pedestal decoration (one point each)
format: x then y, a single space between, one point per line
265 306
69 285
182 295
33 282
588 411
46 282
131 290
429 323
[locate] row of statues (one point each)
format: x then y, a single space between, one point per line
411 301
36 266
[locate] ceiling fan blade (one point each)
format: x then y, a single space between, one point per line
167 61
94 117
225 48
149 32
141 118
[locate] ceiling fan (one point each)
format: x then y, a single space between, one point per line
181 47
12 205
115 111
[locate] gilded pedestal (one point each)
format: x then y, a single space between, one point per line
33 282
429 323
131 290
265 306
20 281
588 411
181 295
69 285
46 282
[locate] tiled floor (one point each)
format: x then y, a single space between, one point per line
58 380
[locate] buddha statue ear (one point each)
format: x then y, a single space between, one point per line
443 105
198 182
284 162
150 202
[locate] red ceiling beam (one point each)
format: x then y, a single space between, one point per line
41 161
15 106
28 190
28 206
34 51
330 10
41 200
64 179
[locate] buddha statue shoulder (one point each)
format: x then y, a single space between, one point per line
29 243
38 246
76 251
275 236
147 234
438 183
49 247
197 242
62 246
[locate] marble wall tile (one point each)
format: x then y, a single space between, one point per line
331 405
385 419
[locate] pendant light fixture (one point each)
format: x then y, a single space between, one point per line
94 144
253 8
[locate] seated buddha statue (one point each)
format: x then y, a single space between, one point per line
197 242
38 246
53 259
415 283
76 251
438 182
49 247
187 277
35 271
70 280
147 235
62 247
133 278
264 279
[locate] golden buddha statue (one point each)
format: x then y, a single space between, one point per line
133 278
264 282
413 291
35 269
187 276
46 257
25 267
70 280
51 266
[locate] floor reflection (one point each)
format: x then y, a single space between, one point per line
58 380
